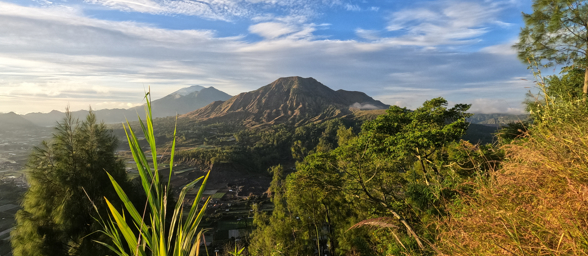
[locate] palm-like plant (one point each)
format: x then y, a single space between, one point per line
156 236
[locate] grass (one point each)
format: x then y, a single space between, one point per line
218 195
536 204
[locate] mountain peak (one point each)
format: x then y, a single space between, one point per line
188 90
295 78
294 100
12 120
296 81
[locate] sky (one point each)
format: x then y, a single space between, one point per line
107 53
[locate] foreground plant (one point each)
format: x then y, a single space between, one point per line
156 236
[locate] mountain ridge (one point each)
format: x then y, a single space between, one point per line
12 120
179 102
293 100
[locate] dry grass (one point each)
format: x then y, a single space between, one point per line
536 204
382 222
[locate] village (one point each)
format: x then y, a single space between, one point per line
232 200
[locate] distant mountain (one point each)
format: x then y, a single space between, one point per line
179 102
293 100
184 101
12 120
188 90
497 119
45 119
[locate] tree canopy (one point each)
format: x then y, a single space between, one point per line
556 32
57 217
393 173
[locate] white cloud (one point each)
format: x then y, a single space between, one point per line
367 34
489 106
363 106
352 7
271 30
216 9
505 49
443 23
116 104
55 56
211 9
292 27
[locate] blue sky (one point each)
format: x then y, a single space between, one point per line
105 53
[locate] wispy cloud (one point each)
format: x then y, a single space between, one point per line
271 30
504 49
368 34
58 54
211 9
352 7
218 9
444 22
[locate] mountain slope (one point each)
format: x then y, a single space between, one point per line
183 101
497 119
292 100
14 121
179 102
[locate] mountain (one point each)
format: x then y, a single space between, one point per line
183 101
186 91
179 102
497 119
293 100
44 119
14 121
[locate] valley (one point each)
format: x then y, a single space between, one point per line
237 140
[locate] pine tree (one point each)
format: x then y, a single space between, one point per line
57 217
557 32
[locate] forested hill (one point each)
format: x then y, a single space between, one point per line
497 118
290 100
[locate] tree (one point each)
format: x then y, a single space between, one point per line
392 163
397 170
557 32
57 216
275 234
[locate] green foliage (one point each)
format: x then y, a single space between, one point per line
568 86
57 218
258 149
156 236
558 101
512 131
400 166
556 32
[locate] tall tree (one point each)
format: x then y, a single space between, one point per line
557 32
57 217
396 173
